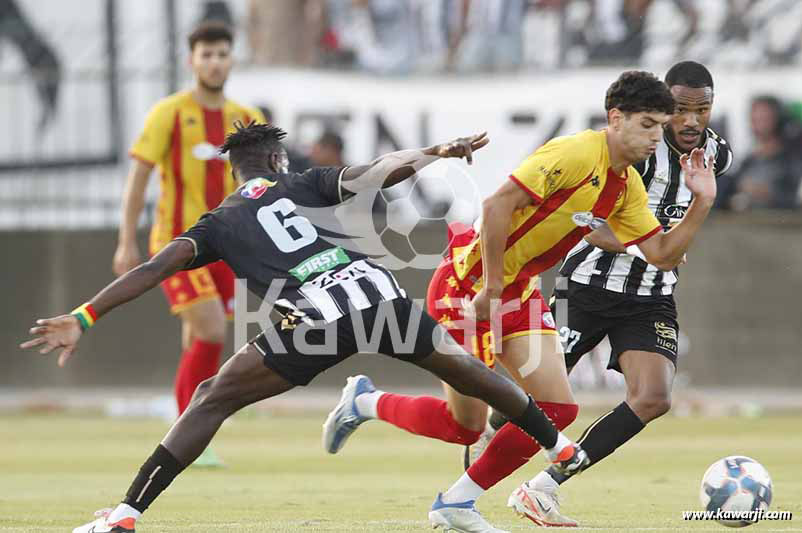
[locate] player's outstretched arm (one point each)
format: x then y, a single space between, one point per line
64 331
395 167
667 250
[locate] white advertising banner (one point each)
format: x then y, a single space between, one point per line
520 112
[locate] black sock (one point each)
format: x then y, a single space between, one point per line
155 475
603 436
535 422
497 420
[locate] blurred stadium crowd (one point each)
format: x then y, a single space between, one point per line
408 36
74 94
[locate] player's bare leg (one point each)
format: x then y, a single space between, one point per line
469 412
203 332
528 359
649 377
536 363
243 380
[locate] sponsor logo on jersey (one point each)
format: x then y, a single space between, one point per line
325 260
256 187
207 151
674 211
586 218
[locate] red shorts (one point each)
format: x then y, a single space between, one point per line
532 316
189 287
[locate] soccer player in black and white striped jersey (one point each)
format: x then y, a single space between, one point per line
289 262
612 291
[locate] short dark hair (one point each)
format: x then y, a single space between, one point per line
635 91
209 32
690 74
251 145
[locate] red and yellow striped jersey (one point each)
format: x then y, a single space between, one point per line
182 138
573 188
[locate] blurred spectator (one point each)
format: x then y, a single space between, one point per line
769 177
761 32
391 36
327 151
382 34
285 32
488 35
614 30
400 37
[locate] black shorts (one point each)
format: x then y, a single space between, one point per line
298 352
646 323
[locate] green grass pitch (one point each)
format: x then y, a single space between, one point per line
56 469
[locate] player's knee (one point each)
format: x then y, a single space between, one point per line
650 405
213 395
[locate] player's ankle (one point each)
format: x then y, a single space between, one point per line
544 482
465 489
368 403
562 442
121 512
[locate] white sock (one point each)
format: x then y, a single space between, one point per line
562 442
463 490
543 481
123 511
368 403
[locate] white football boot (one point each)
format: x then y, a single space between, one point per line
541 507
345 417
102 525
459 517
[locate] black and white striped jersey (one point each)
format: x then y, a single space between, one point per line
669 198
284 257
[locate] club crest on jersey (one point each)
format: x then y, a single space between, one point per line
256 187
585 218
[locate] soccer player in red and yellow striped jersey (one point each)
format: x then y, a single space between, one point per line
181 137
569 187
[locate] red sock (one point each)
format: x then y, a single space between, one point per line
424 415
511 448
198 362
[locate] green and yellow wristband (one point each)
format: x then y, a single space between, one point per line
86 316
